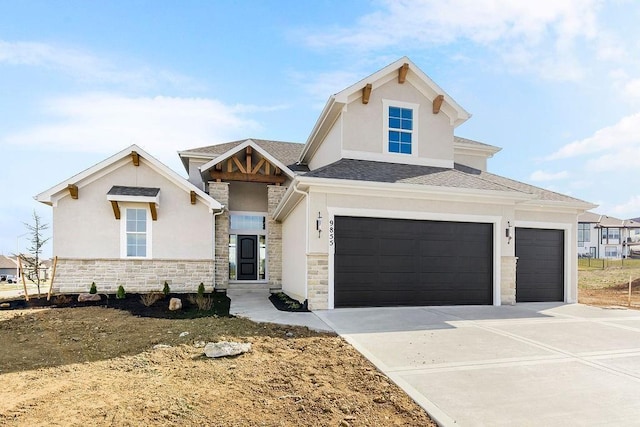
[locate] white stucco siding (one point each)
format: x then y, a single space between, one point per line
294 252
476 162
364 123
194 173
330 149
87 228
247 196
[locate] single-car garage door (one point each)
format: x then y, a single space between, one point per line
393 262
540 267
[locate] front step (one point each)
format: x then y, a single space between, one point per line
251 287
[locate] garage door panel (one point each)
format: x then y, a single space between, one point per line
540 265
413 263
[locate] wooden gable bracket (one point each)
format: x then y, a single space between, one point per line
154 212
248 177
73 190
249 150
402 73
366 93
116 209
193 197
136 158
437 103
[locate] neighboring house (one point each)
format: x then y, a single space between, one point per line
602 236
382 206
7 266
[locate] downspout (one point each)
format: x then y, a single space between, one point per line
306 239
306 196
215 214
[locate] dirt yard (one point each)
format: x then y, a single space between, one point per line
609 287
97 366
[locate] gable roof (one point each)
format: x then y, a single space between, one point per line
459 177
6 262
606 221
287 153
98 170
336 102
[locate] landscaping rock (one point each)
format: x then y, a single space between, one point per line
161 346
175 304
88 297
226 348
183 334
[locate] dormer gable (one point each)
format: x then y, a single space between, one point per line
397 114
246 162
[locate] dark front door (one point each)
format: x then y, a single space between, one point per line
247 257
540 267
395 262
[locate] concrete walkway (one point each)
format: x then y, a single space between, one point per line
529 364
255 305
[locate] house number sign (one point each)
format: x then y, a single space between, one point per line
331 233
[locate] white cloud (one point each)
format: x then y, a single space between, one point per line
104 123
85 65
321 85
624 137
530 36
628 209
548 176
632 88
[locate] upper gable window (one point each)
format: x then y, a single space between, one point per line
401 126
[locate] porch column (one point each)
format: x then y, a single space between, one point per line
274 238
220 192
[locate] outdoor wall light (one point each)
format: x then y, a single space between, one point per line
507 232
319 224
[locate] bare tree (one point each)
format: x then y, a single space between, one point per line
31 261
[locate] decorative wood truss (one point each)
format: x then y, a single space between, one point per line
249 167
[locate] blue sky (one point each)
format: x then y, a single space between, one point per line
555 83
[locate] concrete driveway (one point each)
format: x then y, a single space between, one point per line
530 364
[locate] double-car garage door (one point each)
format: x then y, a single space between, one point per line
395 262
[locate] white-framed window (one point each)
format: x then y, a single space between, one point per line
611 251
135 231
584 233
400 127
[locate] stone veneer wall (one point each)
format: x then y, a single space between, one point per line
274 238
76 275
508 280
220 192
318 281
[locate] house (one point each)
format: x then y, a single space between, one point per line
8 266
602 236
382 206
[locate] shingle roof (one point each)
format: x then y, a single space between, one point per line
459 177
118 190
286 152
6 262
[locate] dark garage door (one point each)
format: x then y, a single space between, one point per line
393 262
540 267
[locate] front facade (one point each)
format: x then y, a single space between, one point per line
601 236
382 206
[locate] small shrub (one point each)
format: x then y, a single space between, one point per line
62 299
93 289
166 290
201 289
120 293
150 298
204 303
